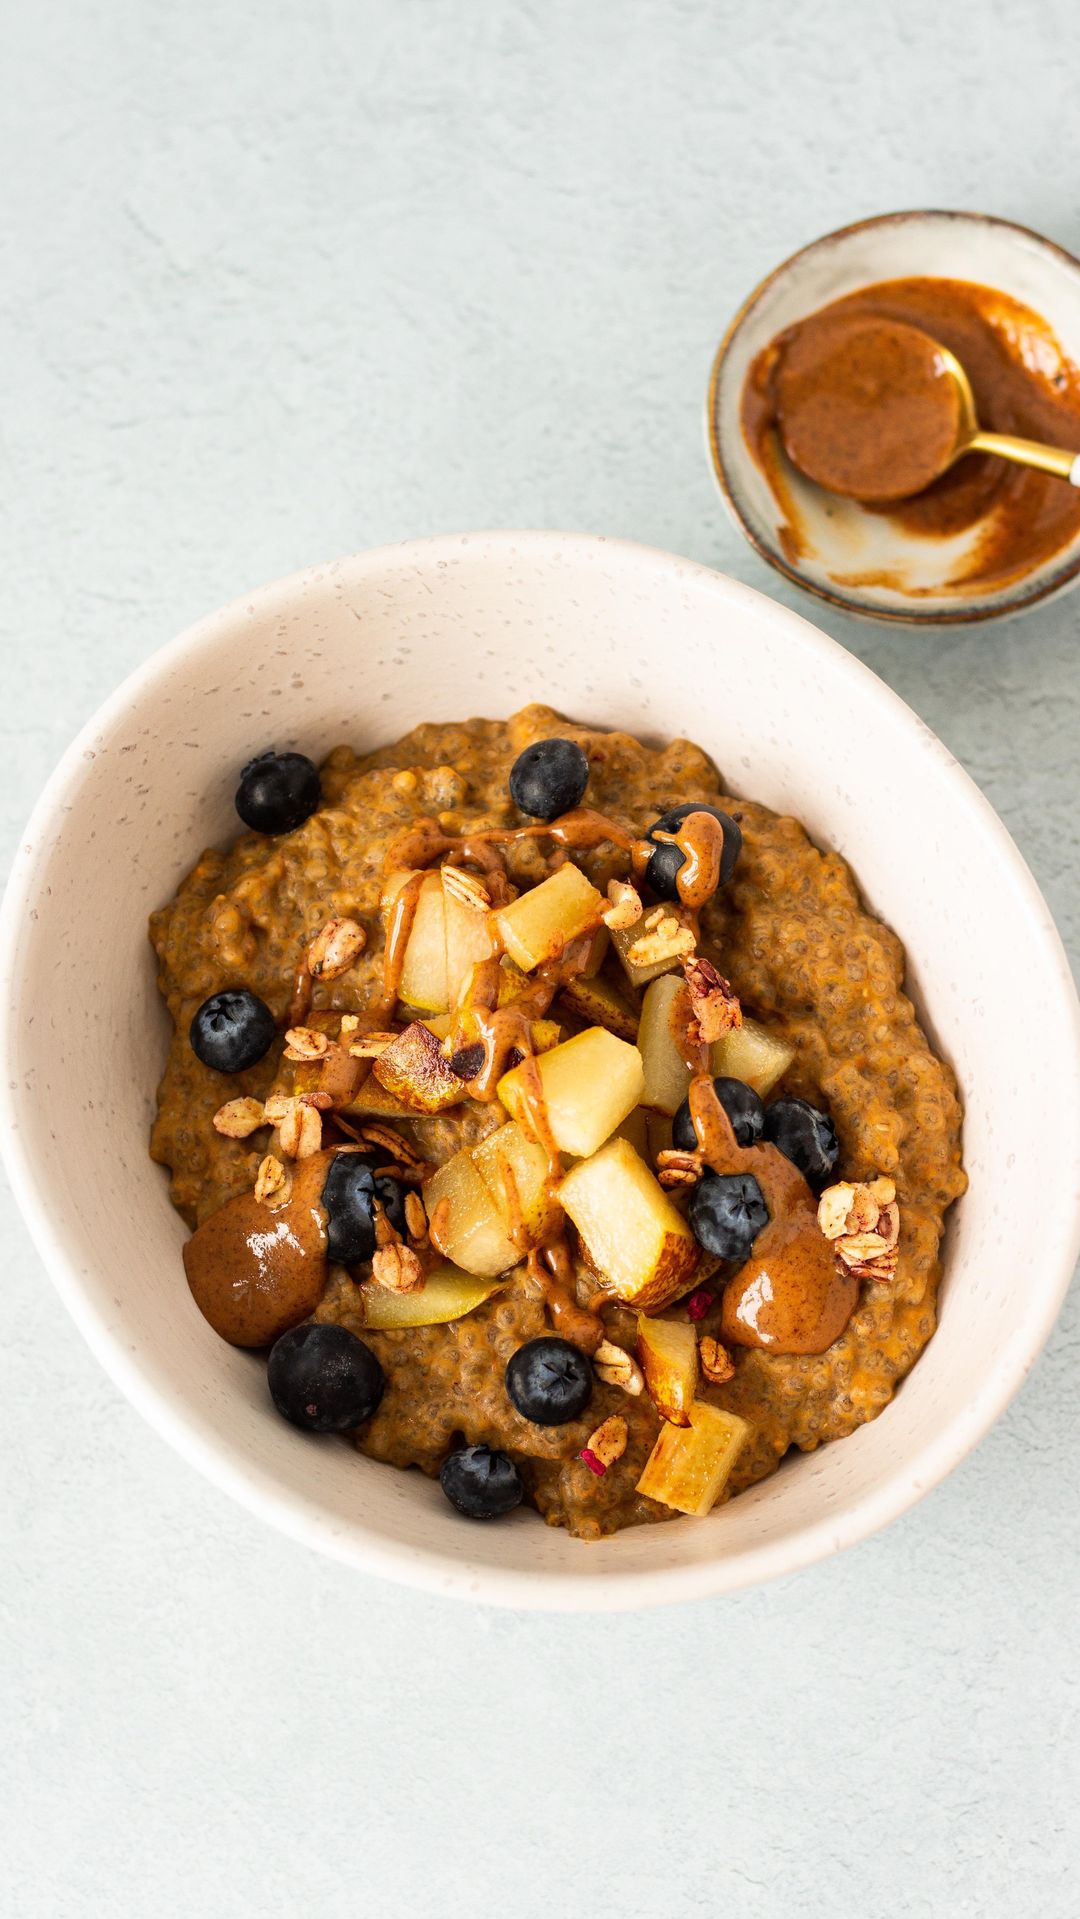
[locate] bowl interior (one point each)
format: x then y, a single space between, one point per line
857 559
624 637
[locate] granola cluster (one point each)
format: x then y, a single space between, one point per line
863 1221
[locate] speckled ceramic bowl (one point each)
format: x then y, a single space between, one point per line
858 560
620 636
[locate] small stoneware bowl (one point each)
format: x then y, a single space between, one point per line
858 560
619 636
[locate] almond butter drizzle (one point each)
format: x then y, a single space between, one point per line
552 1269
789 1297
399 927
507 1030
700 840
303 987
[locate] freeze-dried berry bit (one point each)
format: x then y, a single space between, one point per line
700 1303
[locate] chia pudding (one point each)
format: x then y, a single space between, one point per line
555 1122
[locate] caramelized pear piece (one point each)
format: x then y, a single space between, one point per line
590 1083
446 1294
471 1230
664 1012
415 1067
423 975
751 1053
635 1241
689 1466
515 1171
667 1349
596 1000
470 939
536 926
544 1033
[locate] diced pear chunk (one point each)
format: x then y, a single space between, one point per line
423 975
637 1243
623 938
447 1293
597 1001
516 1172
598 951
659 1135
538 924
590 1083
635 1128
751 1053
470 938
415 1067
667 1349
544 1033
512 981
374 1101
689 1466
667 1076
471 1230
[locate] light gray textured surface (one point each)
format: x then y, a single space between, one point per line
281 283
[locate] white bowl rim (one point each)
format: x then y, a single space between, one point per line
1012 600
541 1590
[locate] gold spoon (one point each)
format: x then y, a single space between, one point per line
972 438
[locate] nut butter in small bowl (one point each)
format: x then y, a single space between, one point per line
987 537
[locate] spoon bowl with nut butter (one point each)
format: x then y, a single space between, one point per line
877 410
895 437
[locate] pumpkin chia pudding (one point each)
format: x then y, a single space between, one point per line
554 1122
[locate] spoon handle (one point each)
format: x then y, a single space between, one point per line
1049 459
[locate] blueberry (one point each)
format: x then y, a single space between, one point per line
324 1379
278 792
232 1031
549 1381
481 1483
727 1212
740 1103
549 778
805 1136
349 1192
665 862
